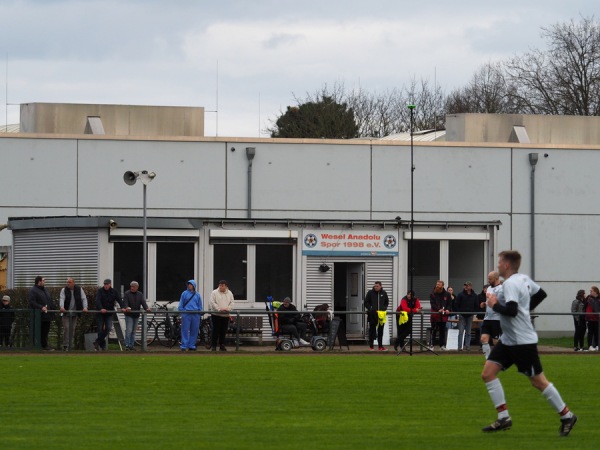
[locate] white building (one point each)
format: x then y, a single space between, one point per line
274 223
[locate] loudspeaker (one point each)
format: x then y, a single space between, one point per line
130 177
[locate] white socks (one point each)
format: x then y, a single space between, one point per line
496 392
486 350
554 398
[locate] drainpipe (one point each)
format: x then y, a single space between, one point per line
250 152
533 159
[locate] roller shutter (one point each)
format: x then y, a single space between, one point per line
55 255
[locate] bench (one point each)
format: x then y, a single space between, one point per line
249 326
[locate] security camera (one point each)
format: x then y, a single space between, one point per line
545 155
398 219
112 224
233 149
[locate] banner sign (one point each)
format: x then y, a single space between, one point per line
349 243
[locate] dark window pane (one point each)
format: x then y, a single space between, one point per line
128 265
466 264
174 267
230 263
274 276
426 267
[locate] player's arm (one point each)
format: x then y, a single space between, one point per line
510 309
537 298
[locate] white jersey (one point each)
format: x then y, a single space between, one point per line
518 330
490 314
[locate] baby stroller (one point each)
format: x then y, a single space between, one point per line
285 342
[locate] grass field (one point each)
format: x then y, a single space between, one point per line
283 401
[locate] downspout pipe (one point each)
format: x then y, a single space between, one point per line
250 152
533 159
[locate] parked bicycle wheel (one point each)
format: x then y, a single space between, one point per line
205 333
150 333
167 334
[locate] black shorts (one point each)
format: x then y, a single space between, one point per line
491 328
525 357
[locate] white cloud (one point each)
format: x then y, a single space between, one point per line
158 53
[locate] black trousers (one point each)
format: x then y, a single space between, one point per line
44 334
438 329
403 332
592 333
219 330
375 329
579 332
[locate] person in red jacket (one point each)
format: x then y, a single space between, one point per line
410 305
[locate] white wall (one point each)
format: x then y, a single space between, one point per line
326 180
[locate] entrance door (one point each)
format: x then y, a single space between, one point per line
355 280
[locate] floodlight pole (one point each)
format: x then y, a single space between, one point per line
145 177
412 214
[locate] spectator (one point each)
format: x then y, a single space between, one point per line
592 309
291 321
410 305
7 317
577 307
439 300
450 325
490 328
106 297
376 300
39 298
221 303
133 301
72 299
466 304
190 300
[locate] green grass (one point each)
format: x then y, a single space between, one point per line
283 401
565 341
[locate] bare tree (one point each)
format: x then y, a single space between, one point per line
487 92
565 78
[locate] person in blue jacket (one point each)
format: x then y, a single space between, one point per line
190 323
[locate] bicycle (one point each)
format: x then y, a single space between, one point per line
152 323
205 332
168 332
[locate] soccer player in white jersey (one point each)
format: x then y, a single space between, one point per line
518 343
490 328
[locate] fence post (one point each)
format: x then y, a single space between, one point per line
237 331
144 332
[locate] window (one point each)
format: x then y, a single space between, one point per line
426 267
274 272
255 271
128 265
230 263
466 263
174 267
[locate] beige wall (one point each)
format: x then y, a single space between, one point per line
117 120
540 129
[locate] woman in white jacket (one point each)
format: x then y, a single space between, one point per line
221 303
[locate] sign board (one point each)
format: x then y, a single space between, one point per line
350 243
337 329
452 339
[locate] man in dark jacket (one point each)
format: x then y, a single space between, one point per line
39 298
376 300
133 300
7 317
106 298
290 323
466 302
440 301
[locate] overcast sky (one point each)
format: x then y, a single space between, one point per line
151 52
